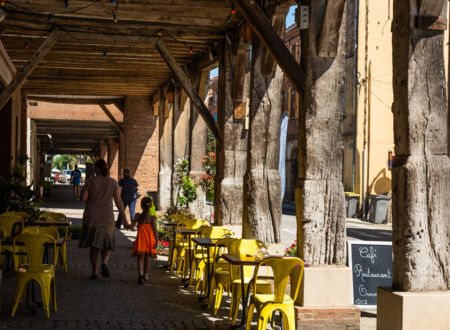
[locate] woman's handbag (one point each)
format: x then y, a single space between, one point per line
136 195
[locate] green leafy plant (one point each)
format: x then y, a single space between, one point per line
185 187
74 232
292 250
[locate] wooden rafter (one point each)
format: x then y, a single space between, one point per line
329 34
261 25
20 76
187 86
111 117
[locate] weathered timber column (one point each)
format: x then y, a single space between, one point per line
421 172
197 145
165 153
141 143
113 158
180 127
232 154
262 186
319 194
103 149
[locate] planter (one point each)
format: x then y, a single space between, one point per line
163 252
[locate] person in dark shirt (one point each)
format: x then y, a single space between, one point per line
128 195
76 181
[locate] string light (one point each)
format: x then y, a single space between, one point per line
191 50
50 18
229 19
2 3
26 45
66 4
104 54
233 10
113 2
115 18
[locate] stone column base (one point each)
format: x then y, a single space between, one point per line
413 310
325 299
336 318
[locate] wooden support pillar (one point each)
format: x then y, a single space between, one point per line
23 125
197 144
262 186
113 158
103 149
231 156
165 151
421 171
28 68
180 139
319 194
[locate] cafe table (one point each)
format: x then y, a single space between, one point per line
187 232
207 243
241 261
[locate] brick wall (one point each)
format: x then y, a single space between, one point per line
336 318
141 143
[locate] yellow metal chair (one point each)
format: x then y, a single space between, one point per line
266 304
200 255
34 269
62 250
182 243
12 225
221 279
21 214
244 247
2 237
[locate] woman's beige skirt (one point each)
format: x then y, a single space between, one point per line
97 237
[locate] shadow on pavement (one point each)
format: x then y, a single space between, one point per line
369 234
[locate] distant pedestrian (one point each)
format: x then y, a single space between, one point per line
97 232
128 194
75 180
146 240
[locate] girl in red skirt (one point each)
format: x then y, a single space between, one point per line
146 239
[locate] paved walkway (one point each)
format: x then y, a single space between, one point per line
118 302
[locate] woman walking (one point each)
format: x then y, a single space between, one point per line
97 232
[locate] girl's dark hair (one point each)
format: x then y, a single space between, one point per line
101 165
146 204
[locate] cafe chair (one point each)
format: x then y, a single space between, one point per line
221 279
181 244
199 256
2 237
266 303
12 225
35 269
244 247
176 217
53 232
21 214
62 249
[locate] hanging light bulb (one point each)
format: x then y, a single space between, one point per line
2 3
26 45
115 18
104 54
191 50
233 10
113 2
228 19
66 4
50 18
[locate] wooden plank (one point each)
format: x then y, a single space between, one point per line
190 91
329 34
272 41
7 69
111 117
425 22
20 76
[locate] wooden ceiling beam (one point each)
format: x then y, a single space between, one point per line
111 117
21 75
145 12
187 86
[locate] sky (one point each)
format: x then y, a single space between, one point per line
290 19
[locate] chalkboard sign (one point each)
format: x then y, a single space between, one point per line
371 264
